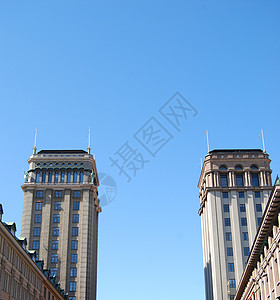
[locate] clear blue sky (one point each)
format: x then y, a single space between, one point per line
110 65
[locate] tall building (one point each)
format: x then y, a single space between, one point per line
234 189
60 217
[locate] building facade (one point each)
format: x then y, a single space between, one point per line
20 277
234 189
60 217
260 279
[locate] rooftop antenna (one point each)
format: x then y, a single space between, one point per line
201 163
263 141
35 141
207 140
89 141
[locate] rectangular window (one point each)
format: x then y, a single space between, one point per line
74 245
81 177
224 181
232 283
44 177
72 286
37 177
62 177
229 251
242 208
39 194
225 195
241 194
77 194
72 298
257 195
246 251
37 231
75 218
55 231
68 177
54 258
231 267
227 221
245 236
258 207
73 272
56 177
243 221
255 179
57 205
38 218
36 245
38 205
74 258
228 236
259 221
53 272
75 177
54 245
58 194
226 207
50 177
75 231
239 180
56 218
76 205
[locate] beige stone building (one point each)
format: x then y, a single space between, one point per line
260 279
234 189
60 217
20 277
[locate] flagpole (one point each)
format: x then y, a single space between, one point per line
207 140
35 141
263 141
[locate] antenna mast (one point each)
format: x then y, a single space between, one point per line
207 140
263 141
35 141
89 141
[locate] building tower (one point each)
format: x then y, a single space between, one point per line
60 217
234 189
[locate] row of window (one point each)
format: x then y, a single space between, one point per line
36 245
243 221
58 194
241 195
74 258
56 218
239 179
75 231
244 236
239 167
57 164
246 251
50 176
57 205
243 207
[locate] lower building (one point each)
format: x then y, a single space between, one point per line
260 279
22 278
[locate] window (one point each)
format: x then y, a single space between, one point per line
54 245
74 245
62 176
75 231
54 258
57 205
68 177
224 181
72 298
44 177
77 194
231 297
74 258
255 179
58 194
50 177
246 251
257 195
53 272
72 286
228 236
242 208
36 245
245 236
39 194
73 272
75 176
259 221
56 177
231 267
75 218
225 195
259 207
241 194
223 167
55 231
37 231
254 167
239 180
227 221
243 221
37 177
229 251
226 207
232 283
56 218
81 177
38 205
238 167
76 205
38 218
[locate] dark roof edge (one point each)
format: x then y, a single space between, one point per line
235 150
61 151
